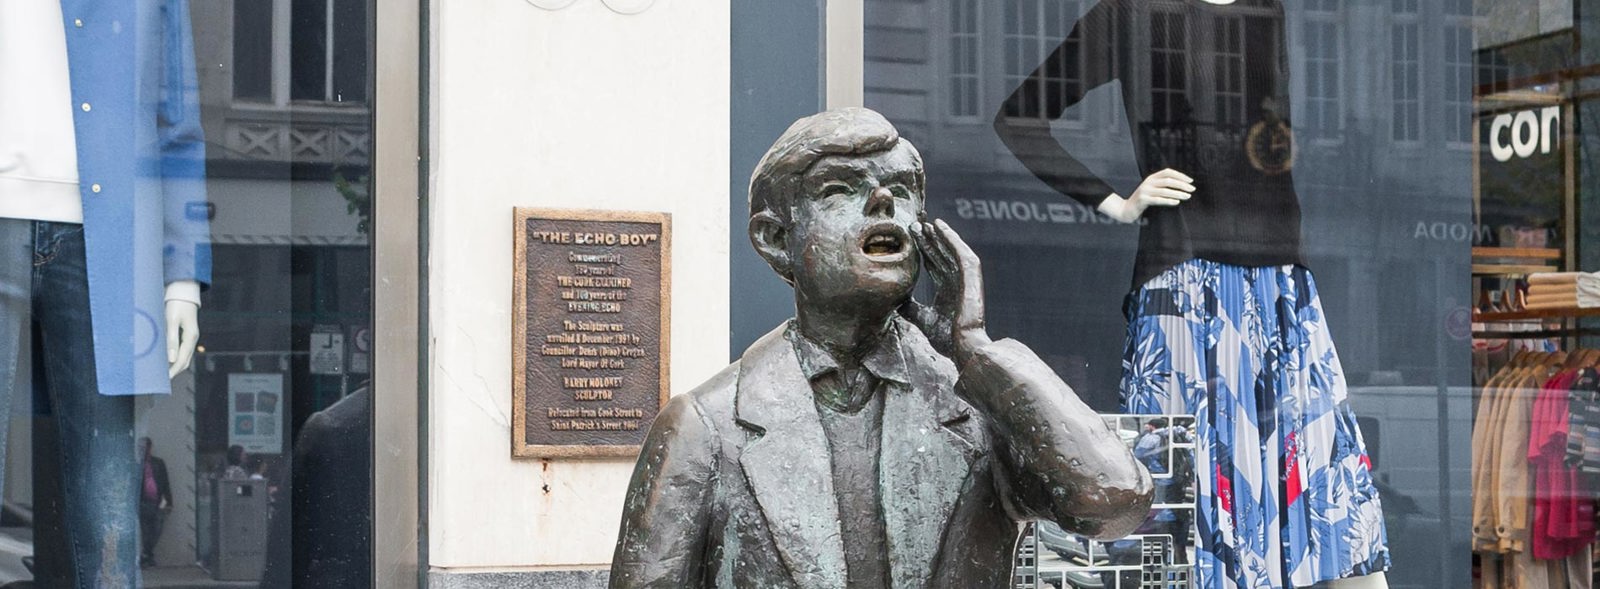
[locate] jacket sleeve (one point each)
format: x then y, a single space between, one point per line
1022 122
662 541
1511 507
1056 458
186 249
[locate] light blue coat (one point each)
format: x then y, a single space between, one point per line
141 167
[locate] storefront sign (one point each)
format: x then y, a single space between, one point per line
590 331
1522 179
1520 134
255 412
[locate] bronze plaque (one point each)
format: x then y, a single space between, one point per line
590 333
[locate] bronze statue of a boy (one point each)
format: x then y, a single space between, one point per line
869 442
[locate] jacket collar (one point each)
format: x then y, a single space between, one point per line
884 359
923 464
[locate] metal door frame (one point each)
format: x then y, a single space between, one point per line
399 188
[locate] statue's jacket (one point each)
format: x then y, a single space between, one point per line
733 488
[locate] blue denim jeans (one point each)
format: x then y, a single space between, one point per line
85 473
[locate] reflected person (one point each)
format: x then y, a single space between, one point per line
321 536
870 442
155 500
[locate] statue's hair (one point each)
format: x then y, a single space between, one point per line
841 131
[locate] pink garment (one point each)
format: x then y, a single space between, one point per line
1563 517
151 494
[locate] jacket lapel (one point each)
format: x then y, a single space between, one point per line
788 466
923 465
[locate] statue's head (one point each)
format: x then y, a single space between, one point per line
832 204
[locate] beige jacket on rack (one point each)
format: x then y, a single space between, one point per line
1503 487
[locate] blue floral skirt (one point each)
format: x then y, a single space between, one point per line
1290 499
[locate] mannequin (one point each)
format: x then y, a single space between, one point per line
104 250
1170 188
1224 320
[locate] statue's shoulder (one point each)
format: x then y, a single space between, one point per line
717 389
716 397
694 422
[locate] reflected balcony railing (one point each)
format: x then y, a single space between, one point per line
340 136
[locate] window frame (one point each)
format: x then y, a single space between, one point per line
400 391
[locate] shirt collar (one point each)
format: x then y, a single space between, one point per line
884 360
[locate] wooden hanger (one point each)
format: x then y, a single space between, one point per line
1518 359
1511 300
1591 359
1575 360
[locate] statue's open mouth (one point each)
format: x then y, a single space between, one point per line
885 241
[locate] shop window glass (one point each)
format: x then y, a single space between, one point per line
1265 104
247 226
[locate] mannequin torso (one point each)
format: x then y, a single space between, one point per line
38 153
38 147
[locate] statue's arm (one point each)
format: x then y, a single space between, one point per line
1057 459
662 542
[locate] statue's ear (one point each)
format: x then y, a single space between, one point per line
770 235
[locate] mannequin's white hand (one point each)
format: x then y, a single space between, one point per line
183 332
1166 188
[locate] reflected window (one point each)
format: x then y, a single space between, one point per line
1406 71
1324 51
307 51
329 57
252 51
1033 29
965 73
1229 62
1168 73
1458 43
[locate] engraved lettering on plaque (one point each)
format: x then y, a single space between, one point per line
590 335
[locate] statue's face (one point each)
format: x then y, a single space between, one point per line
850 234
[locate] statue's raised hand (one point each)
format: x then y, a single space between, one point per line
954 325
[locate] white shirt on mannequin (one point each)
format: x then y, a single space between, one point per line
38 149
38 153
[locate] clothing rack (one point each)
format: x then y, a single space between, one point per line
1536 470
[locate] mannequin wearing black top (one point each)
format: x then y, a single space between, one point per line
1213 138
1216 130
